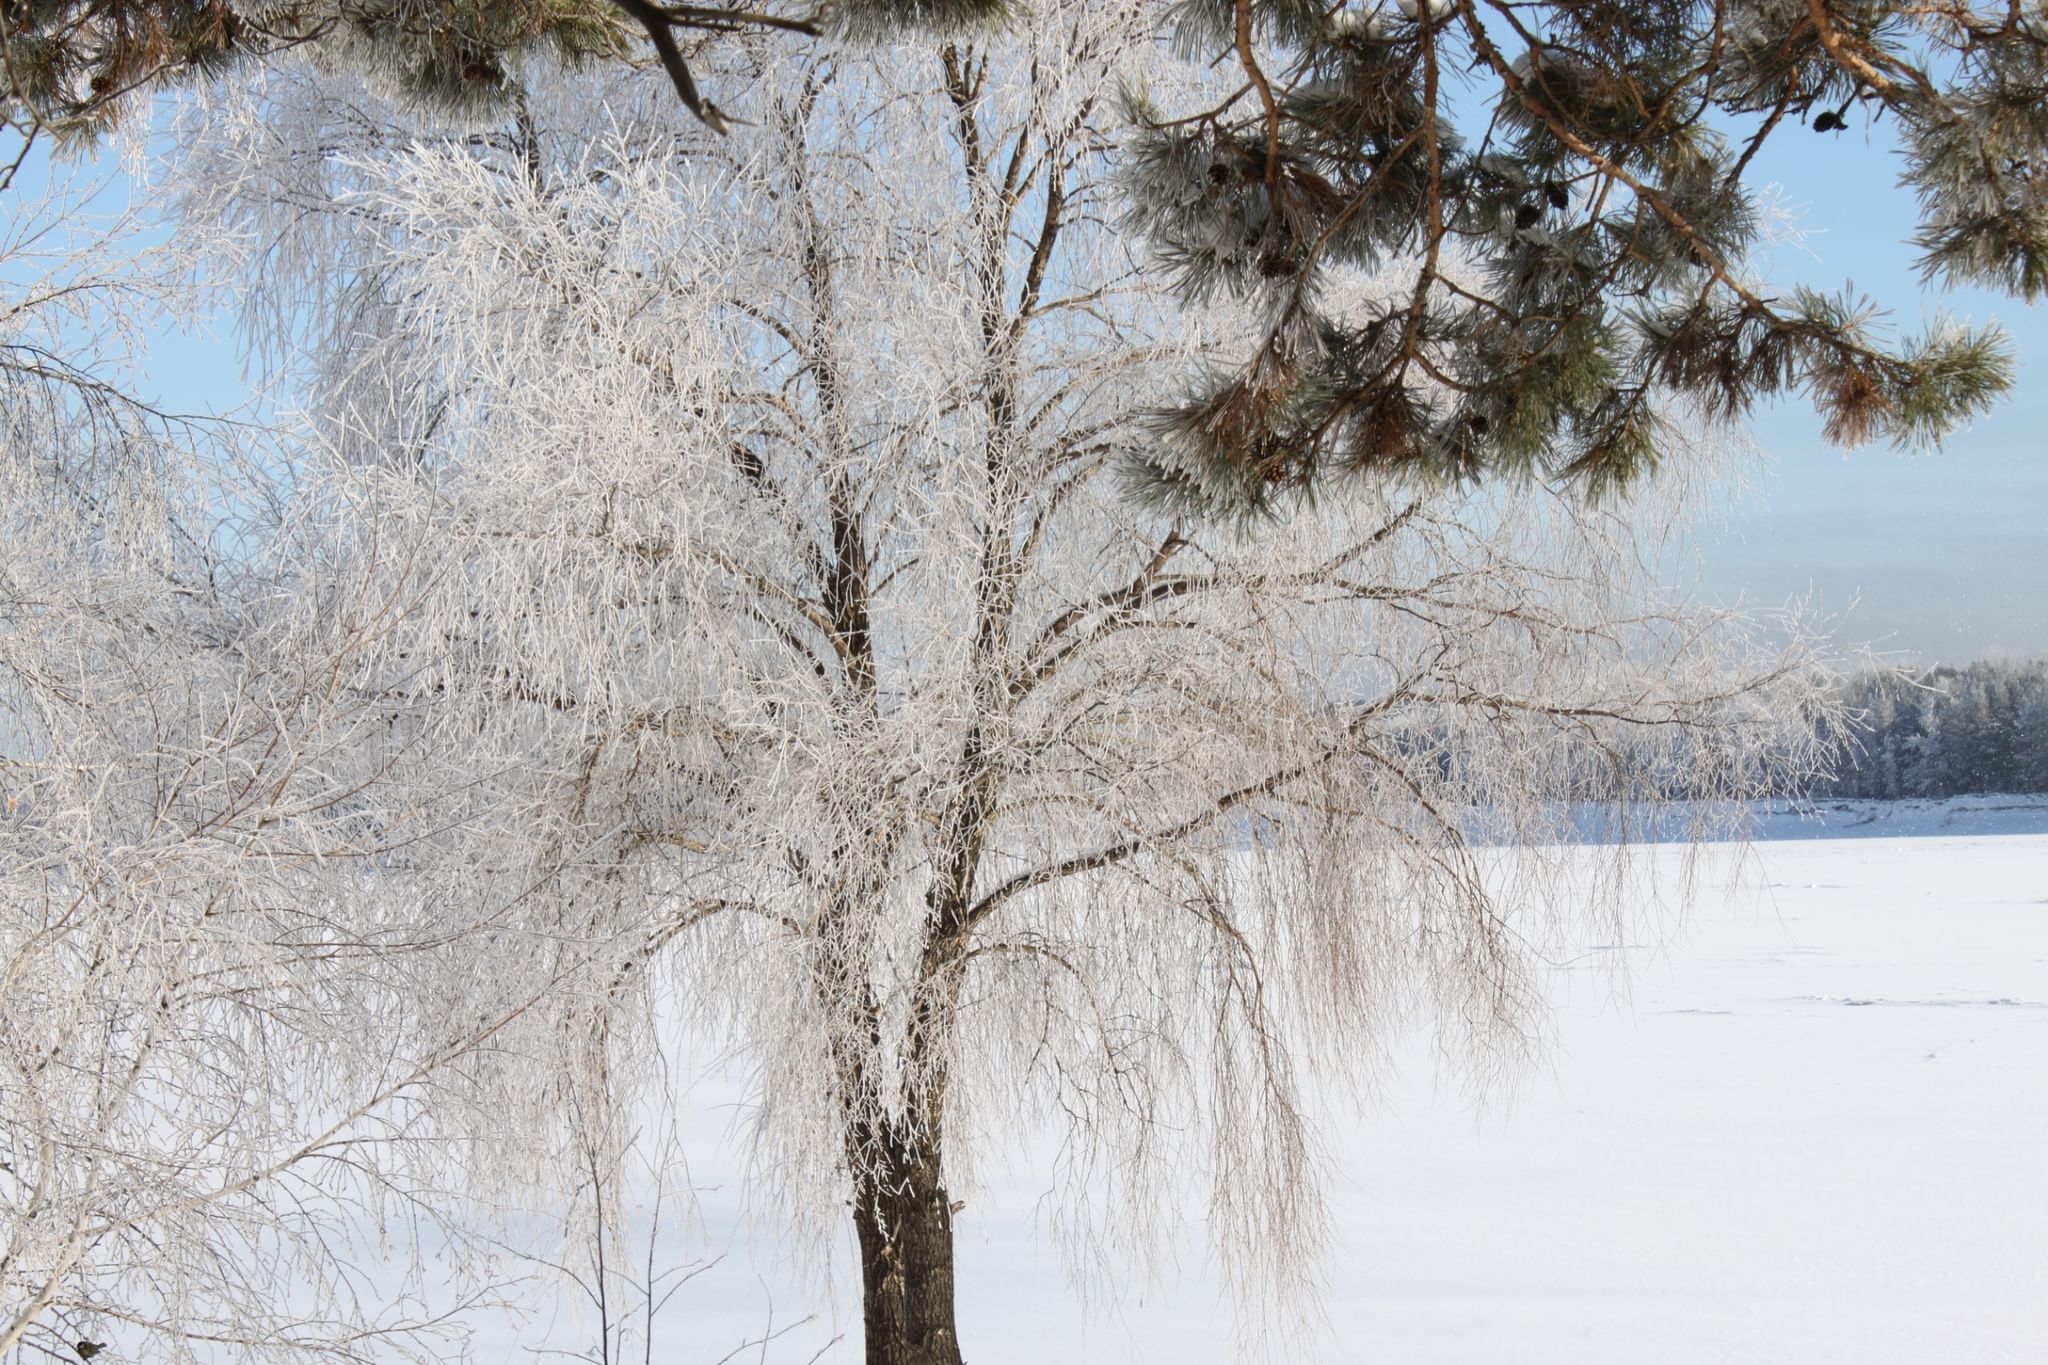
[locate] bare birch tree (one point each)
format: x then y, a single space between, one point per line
776 599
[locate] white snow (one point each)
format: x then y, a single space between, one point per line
1808 1126
1814 1130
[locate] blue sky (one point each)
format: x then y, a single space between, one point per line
1941 556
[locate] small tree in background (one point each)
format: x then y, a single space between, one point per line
782 618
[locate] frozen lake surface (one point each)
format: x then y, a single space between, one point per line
1808 1125
1814 1130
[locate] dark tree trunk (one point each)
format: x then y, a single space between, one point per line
904 1219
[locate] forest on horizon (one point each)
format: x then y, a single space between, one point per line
1945 731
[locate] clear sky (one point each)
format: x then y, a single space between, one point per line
1941 556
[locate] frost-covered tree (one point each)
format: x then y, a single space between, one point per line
210 1067
2030 761
1947 731
779 610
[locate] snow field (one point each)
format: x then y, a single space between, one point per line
1806 1125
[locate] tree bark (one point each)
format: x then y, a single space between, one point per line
904 1220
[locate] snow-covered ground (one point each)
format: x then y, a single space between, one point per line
1809 1125
1813 1129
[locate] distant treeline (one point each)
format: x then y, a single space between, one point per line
1950 731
